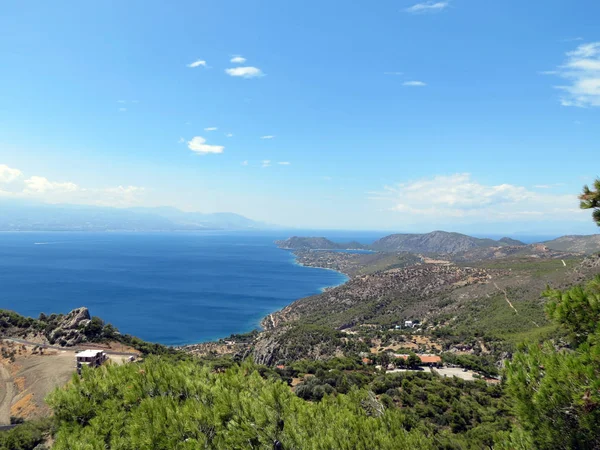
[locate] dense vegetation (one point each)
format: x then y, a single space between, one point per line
161 405
27 436
456 413
557 391
340 403
590 199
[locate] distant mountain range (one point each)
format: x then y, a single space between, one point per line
441 242
26 216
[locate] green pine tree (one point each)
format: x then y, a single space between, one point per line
590 199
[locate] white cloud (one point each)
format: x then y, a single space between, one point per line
8 174
122 109
427 7
548 186
14 184
582 70
198 63
284 163
245 163
458 196
181 140
198 144
211 129
228 135
244 72
238 59
120 196
414 83
266 163
121 101
41 185
393 73
269 136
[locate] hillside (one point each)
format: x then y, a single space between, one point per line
579 244
388 295
497 299
436 242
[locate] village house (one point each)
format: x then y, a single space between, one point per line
426 360
90 358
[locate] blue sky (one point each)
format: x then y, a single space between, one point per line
474 116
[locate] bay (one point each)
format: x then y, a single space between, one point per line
170 288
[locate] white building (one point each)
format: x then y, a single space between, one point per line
409 324
90 358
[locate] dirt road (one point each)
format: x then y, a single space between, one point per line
7 393
73 349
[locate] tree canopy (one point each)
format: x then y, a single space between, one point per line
185 405
556 391
590 199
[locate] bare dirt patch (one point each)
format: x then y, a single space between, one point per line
414 343
28 376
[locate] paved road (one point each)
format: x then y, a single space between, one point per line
73 349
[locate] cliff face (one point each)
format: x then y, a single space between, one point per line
436 242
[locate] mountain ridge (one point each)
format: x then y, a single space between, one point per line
33 216
434 242
437 242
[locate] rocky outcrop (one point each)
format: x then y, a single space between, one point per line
69 330
76 318
296 342
65 330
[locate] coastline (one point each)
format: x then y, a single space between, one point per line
269 317
267 277
267 322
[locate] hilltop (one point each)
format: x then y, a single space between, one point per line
434 242
316 243
437 242
576 243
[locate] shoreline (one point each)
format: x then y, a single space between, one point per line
260 325
256 324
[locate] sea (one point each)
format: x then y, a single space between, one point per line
170 288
